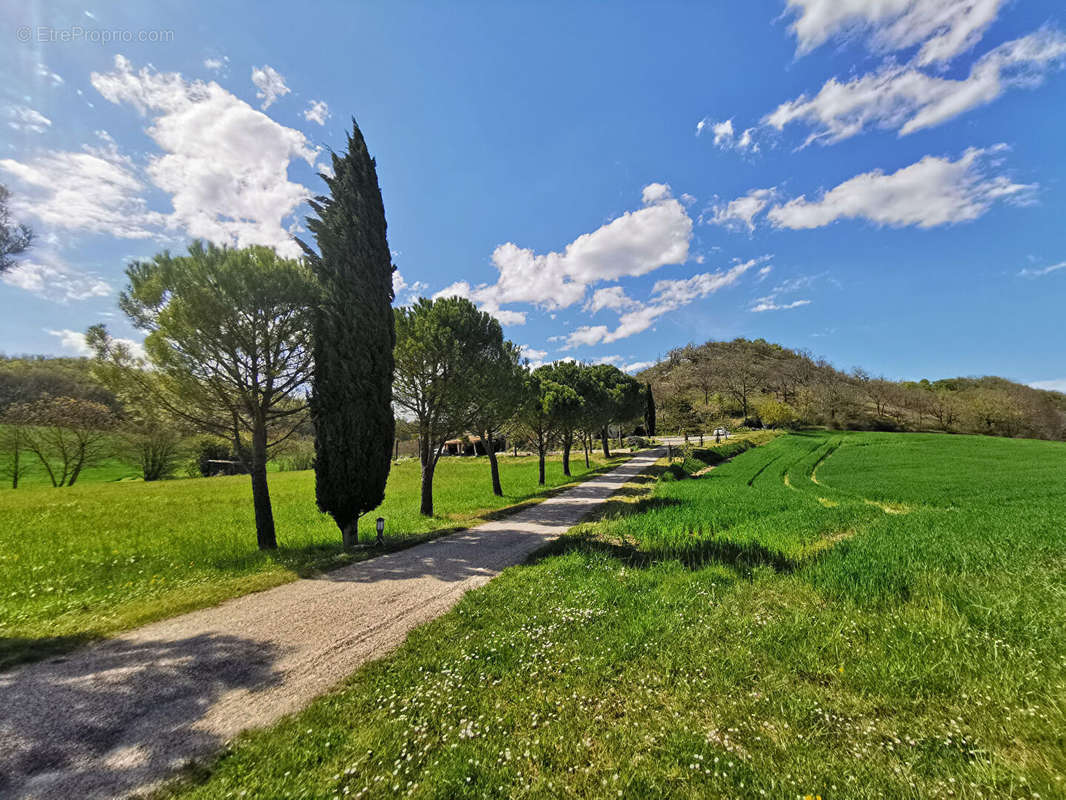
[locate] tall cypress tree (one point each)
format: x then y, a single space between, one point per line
649 411
354 336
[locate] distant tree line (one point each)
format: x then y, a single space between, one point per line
699 387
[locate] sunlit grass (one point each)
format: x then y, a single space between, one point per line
100 557
736 636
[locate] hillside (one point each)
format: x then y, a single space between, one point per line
699 386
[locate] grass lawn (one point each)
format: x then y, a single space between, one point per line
95 558
843 615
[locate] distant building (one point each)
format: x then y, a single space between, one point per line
472 445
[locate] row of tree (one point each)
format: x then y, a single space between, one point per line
455 373
702 386
248 346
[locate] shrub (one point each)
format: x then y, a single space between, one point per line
775 414
299 454
674 472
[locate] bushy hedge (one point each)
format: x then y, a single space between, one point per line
697 458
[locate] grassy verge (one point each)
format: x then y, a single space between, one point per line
89 560
893 628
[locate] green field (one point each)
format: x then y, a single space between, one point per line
834 615
88 560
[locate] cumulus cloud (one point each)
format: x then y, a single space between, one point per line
666 296
224 164
931 192
270 85
95 190
74 342
638 366
741 212
613 297
485 302
725 137
26 119
942 28
906 99
532 353
318 112
1030 272
636 243
50 277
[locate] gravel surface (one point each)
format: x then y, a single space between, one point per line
118 717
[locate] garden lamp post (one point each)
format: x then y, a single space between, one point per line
381 530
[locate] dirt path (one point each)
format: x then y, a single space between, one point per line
118 717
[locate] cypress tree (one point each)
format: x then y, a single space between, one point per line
353 335
649 412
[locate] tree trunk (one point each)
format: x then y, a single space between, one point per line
429 463
541 448
494 467
15 466
264 514
585 443
567 444
350 534
605 443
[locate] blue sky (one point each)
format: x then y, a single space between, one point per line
879 183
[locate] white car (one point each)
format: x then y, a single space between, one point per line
720 432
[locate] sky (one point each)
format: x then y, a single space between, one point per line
880 183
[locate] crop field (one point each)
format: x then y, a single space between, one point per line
94 558
837 615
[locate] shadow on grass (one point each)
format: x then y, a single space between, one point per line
15 650
119 715
743 557
315 559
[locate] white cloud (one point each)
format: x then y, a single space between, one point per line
725 136
1029 272
764 272
50 277
769 304
318 112
216 64
54 78
906 99
74 342
224 164
742 211
587 335
636 243
484 301
931 192
607 360
24 118
638 366
667 296
532 353
943 28
270 85
96 190
1055 385
613 297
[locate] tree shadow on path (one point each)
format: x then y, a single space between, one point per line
118 716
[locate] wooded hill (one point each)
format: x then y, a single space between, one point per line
761 383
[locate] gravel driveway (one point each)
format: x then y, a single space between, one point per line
118 717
